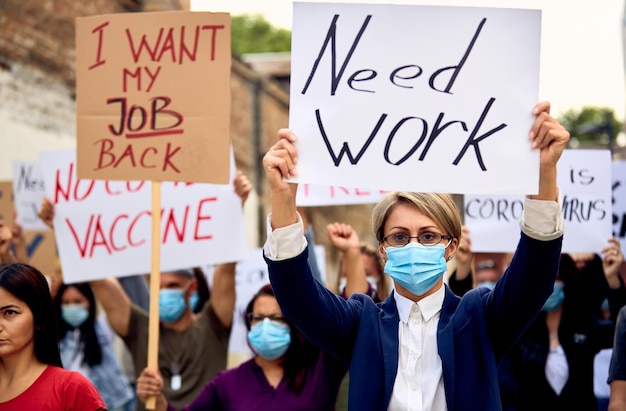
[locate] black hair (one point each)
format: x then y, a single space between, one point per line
29 285
91 347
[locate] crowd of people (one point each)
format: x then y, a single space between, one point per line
392 333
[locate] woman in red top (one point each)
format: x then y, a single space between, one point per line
31 377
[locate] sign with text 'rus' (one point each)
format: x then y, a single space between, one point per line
619 202
103 227
28 193
584 179
420 98
153 96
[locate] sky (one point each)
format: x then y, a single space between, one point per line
582 61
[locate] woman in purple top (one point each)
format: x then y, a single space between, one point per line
288 372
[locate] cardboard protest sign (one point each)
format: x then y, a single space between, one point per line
103 227
28 193
584 179
619 202
311 195
153 96
419 98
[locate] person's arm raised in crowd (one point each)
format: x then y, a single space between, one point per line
464 256
115 303
280 161
548 135
612 262
223 290
5 245
19 243
346 241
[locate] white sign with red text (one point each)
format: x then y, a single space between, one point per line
103 228
312 195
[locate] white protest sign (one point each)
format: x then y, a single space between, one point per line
584 179
312 195
418 98
103 228
619 202
28 193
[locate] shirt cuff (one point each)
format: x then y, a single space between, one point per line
541 219
284 242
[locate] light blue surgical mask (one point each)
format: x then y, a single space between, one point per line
74 314
487 284
416 267
194 300
172 304
555 299
270 339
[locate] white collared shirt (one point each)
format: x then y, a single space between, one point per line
419 380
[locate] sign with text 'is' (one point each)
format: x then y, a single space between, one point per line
584 179
103 227
416 98
153 96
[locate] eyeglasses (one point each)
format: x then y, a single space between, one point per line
426 239
257 318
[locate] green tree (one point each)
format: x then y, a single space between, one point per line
254 34
591 126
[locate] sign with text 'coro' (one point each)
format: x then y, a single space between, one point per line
584 179
103 227
153 96
418 98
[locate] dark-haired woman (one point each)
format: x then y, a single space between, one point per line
287 373
87 347
31 376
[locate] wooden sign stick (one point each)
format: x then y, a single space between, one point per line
155 286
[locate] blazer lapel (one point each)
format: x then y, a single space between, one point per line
445 344
389 341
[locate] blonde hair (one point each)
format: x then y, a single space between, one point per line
438 207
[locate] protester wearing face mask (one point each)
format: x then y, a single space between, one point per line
287 372
423 345
553 363
192 347
86 345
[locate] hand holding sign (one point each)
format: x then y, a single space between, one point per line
612 262
550 137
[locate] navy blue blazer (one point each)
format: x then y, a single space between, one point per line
474 332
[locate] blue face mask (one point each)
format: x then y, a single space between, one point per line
172 304
270 339
416 267
194 300
556 298
487 284
74 314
